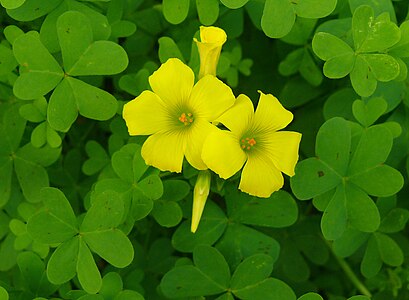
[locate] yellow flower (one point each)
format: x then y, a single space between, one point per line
210 46
177 115
255 142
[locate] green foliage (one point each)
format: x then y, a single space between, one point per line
83 217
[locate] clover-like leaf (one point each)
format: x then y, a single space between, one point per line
279 15
367 113
98 229
373 34
210 276
212 226
175 11
57 223
72 96
39 71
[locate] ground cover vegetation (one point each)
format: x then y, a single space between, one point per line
119 118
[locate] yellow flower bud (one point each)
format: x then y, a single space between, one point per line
210 46
200 193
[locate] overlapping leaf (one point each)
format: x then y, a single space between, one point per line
345 180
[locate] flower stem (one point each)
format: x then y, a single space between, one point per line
350 273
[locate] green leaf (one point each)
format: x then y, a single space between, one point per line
394 221
362 211
384 67
175 190
32 177
3 293
39 72
268 289
212 263
98 158
99 23
129 295
371 262
310 296
151 187
39 135
8 253
168 49
12 32
33 9
93 60
279 210
364 158
12 4
209 277
234 4
389 251
33 271
175 11
57 223
7 61
87 271
167 213
62 265
239 242
291 64
349 242
370 34
211 227
334 151
112 245
106 212
251 271
380 181
362 79
73 96
401 49
208 11
335 217
80 55
74 35
111 285
309 70
278 18
367 113
34 112
312 178
314 9
11 130
301 32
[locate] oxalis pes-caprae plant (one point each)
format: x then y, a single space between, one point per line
180 193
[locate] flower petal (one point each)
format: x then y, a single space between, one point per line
165 151
211 97
146 114
173 82
210 46
270 114
222 153
282 149
195 139
239 117
260 178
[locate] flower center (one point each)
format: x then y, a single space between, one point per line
247 143
186 118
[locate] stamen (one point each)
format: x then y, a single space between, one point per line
186 119
247 143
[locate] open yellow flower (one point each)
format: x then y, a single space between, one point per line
177 115
255 142
210 46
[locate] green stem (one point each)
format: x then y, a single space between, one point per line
350 274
